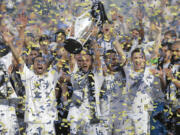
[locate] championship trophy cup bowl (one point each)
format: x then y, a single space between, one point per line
83 26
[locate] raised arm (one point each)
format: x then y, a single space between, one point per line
63 59
157 43
22 19
141 31
120 51
64 79
8 39
159 73
123 25
96 49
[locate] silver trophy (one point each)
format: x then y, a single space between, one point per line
83 27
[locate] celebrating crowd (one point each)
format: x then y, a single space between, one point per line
123 80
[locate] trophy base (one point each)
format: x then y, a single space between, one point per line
73 46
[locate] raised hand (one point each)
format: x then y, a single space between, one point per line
169 73
156 72
22 19
139 15
8 38
164 2
158 28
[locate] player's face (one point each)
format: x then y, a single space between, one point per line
85 63
114 14
176 51
44 44
60 38
167 53
111 61
107 29
169 38
139 61
40 66
31 56
178 110
135 34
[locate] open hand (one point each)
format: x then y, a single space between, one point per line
156 72
23 19
168 73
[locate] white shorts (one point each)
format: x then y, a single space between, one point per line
140 114
78 118
8 120
40 129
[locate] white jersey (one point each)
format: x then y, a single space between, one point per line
82 113
143 88
113 95
40 96
8 119
98 79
